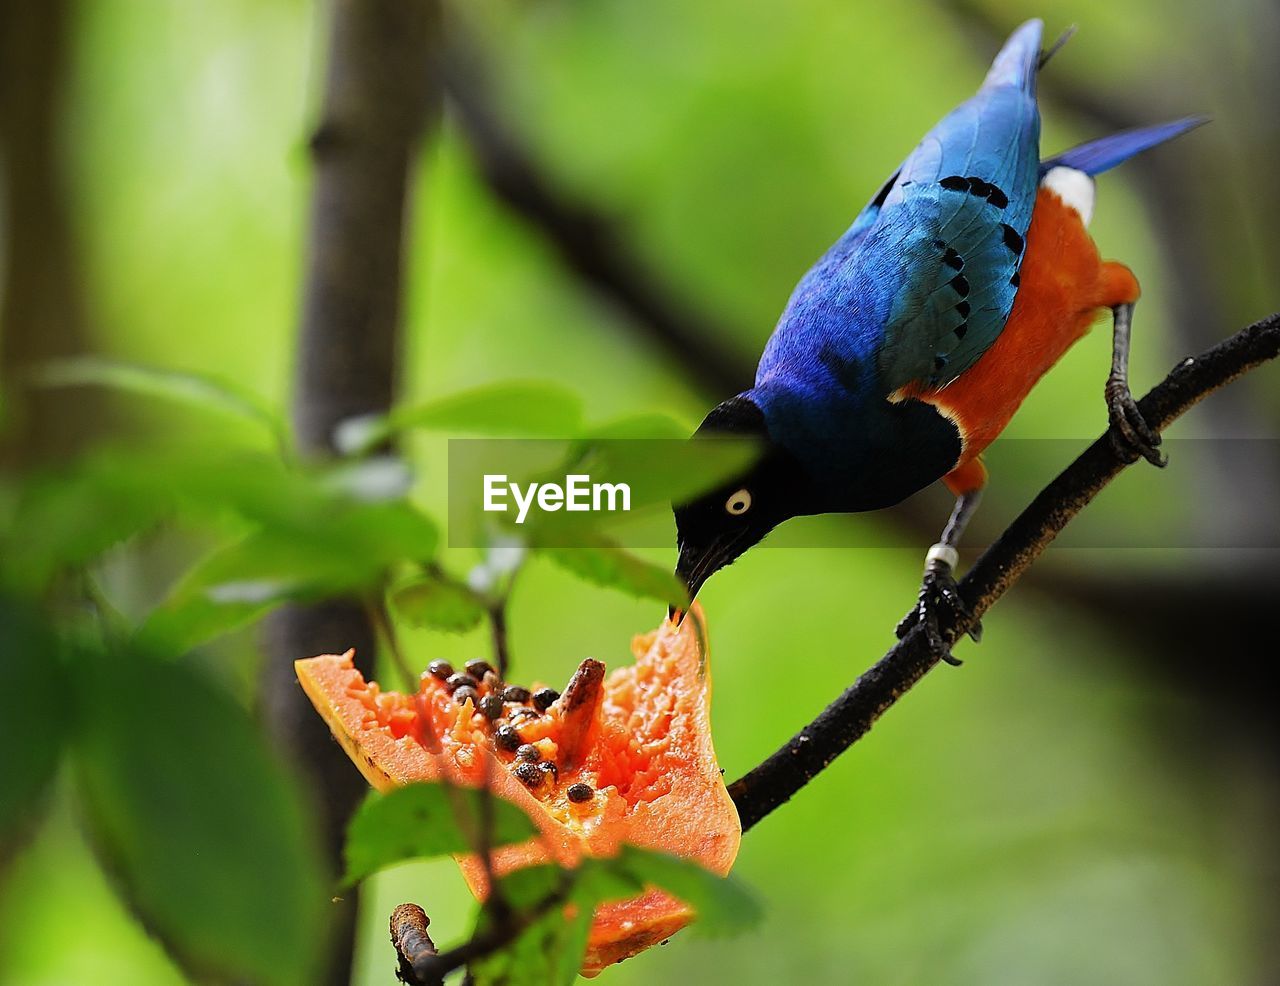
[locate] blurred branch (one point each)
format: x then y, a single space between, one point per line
851 715
586 238
42 305
379 98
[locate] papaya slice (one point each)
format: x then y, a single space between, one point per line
623 758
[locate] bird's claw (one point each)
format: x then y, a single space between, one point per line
1131 436
939 595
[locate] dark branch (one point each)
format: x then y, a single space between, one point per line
429 969
851 715
587 240
414 946
379 97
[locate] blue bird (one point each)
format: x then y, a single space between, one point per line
908 346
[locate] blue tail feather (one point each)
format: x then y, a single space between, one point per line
1019 59
1105 153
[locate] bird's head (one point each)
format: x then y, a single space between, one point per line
719 525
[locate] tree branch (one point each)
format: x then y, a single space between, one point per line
586 238
379 96
851 715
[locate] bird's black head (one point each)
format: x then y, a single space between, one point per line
717 527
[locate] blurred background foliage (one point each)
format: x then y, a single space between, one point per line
1092 797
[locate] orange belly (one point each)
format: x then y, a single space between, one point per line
1064 284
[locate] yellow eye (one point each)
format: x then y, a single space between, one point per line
739 502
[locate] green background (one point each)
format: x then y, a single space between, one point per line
1057 810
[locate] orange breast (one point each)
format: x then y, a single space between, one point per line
1063 285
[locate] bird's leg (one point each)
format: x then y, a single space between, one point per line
1130 433
938 590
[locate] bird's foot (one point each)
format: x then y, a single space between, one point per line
939 598
1132 437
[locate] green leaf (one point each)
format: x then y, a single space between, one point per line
606 564
195 390
650 425
525 409
348 550
549 951
67 519
724 907
440 604
424 820
206 832
32 718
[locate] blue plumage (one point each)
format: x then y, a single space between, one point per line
1105 153
850 397
922 282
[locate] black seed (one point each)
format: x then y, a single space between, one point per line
491 706
492 682
955 183
506 738
550 770
953 259
961 284
543 698
460 680
529 774
440 668
961 329
528 753
578 793
460 695
1016 279
1011 239
963 308
523 714
478 668
997 198
514 693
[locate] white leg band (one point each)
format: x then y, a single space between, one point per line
943 553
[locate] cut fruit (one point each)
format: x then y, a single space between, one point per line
622 759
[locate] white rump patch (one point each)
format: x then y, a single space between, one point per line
1075 188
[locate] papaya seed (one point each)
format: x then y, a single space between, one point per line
492 682
464 693
478 668
580 793
460 680
440 668
529 774
506 738
551 771
491 706
543 698
514 693
528 753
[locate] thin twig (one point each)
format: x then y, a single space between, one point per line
507 924
413 944
498 629
376 608
850 716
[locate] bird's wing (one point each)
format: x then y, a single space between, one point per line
947 236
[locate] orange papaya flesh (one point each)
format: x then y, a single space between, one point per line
631 755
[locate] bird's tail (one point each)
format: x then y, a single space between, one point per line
1019 59
1105 153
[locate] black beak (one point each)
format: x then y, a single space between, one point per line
693 568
